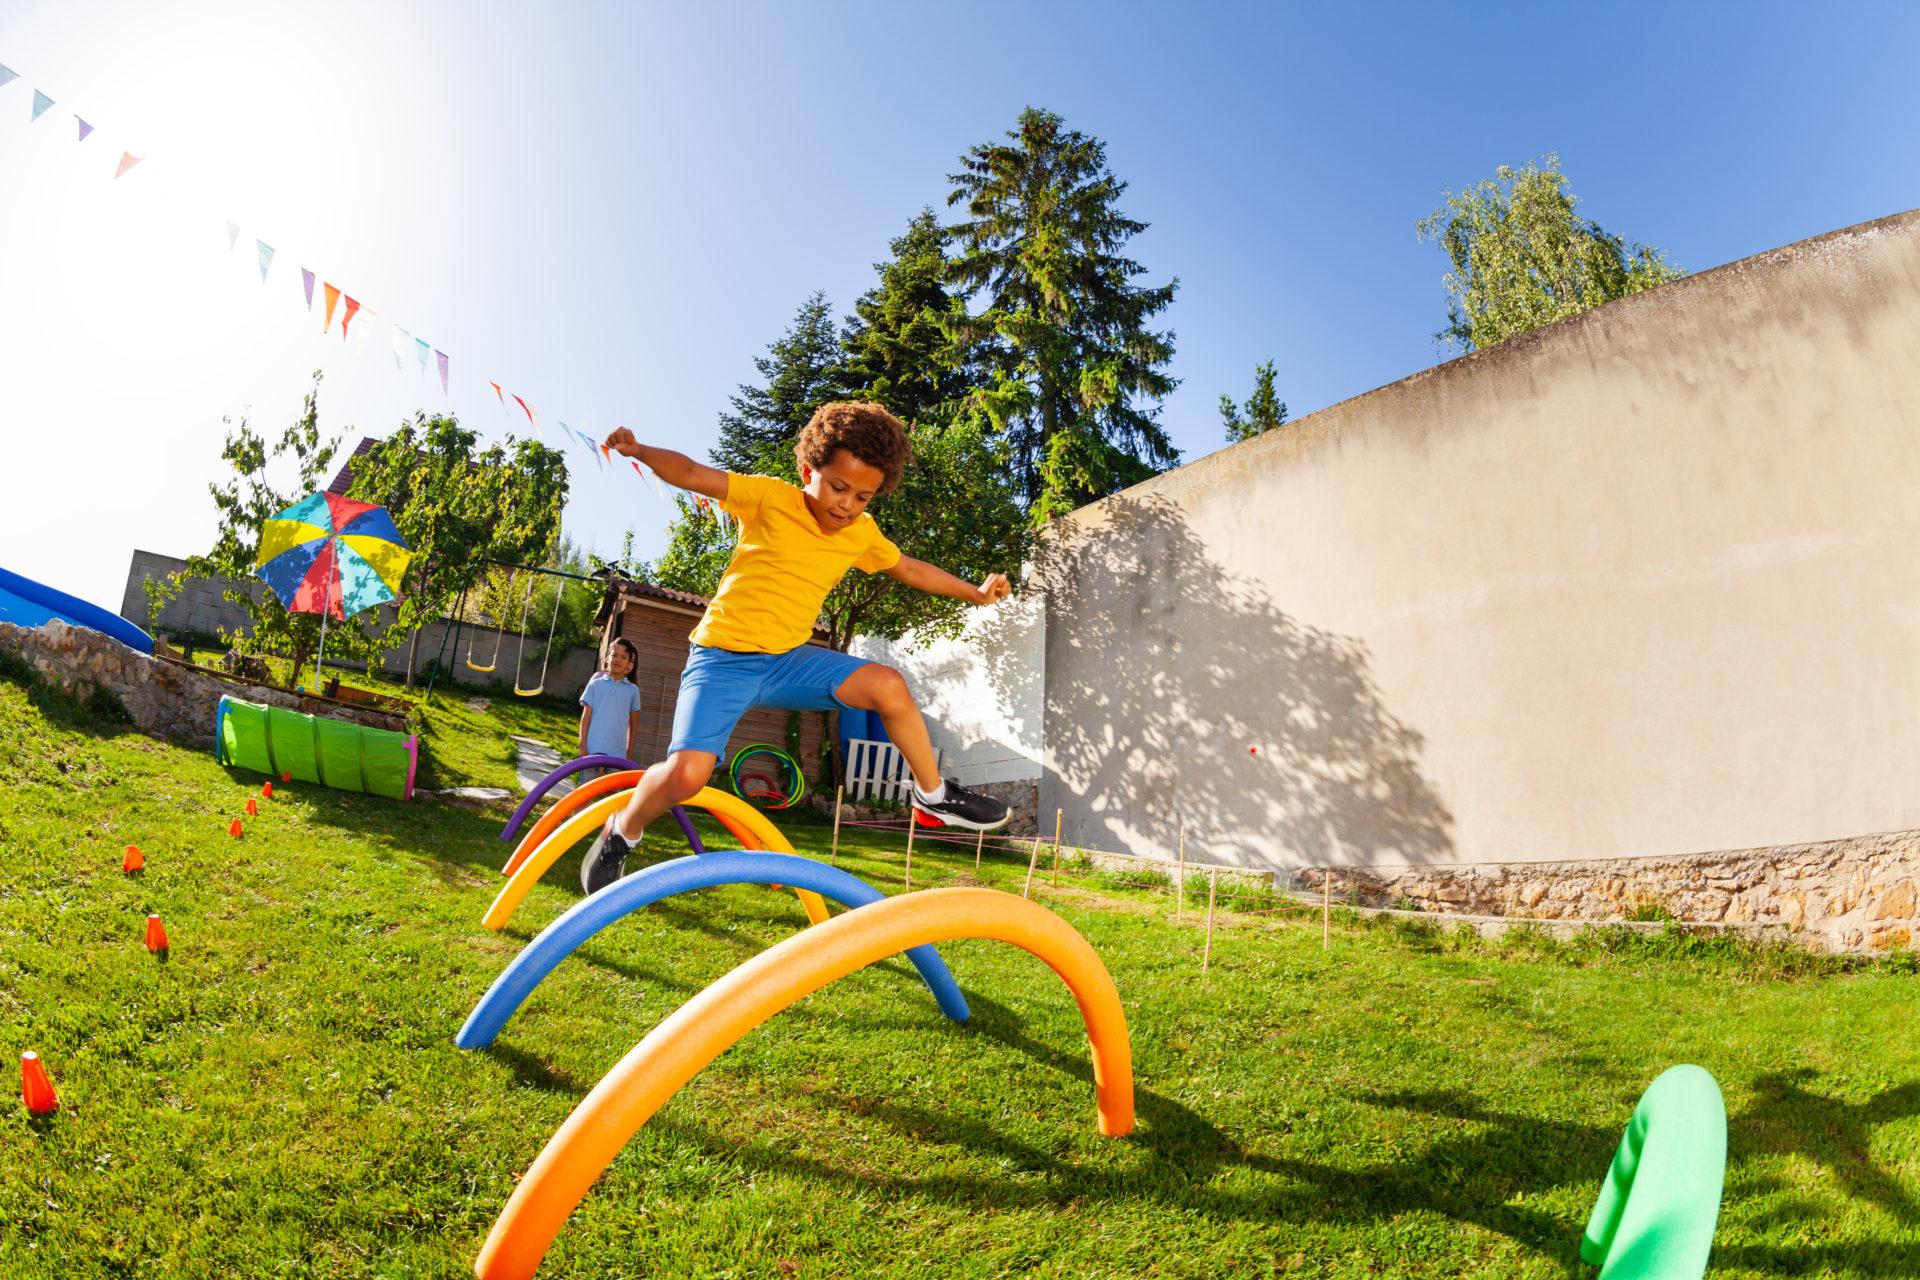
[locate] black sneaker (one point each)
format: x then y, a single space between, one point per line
963 808
606 861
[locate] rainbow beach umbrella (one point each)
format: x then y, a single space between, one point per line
332 556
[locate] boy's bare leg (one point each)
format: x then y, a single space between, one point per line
664 786
880 688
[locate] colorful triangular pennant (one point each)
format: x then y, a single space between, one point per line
265 254
402 341
127 161
6 75
347 318
333 300
306 278
40 104
85 129
422 350
498 392
233 234
441 356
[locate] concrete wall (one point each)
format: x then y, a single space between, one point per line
1640 583
980 693
202 607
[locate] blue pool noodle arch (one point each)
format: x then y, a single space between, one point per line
663 880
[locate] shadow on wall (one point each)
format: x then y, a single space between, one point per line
1163 671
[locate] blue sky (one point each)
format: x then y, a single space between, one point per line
612 209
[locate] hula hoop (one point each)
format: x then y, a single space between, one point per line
764 797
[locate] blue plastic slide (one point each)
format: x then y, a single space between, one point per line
26 603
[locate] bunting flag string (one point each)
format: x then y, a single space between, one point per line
355 310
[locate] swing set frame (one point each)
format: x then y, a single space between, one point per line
460 621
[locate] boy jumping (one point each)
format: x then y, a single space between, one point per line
751 650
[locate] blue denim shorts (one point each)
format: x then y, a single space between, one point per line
719 686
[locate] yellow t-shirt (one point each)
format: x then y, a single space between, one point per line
783 568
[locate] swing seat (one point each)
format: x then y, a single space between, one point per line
529 693
472 666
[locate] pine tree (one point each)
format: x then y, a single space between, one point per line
898 352
803 371
1070 353
1264 410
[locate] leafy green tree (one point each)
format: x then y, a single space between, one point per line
1064 328
1264 410
802 371
245 503
958 506
897 349
1522 257
700 545
460 508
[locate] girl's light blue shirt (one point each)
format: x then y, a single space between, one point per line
612 702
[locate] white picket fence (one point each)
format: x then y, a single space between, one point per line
877 770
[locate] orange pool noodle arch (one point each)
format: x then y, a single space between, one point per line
706 1026
747 824
566 805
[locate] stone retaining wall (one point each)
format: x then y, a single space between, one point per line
164 699
1854 895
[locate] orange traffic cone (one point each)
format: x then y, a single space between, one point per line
253 806
134 859
286 775
35 1089
156 934
266 790
234 830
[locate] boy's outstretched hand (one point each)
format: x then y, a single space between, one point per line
621 440
996 587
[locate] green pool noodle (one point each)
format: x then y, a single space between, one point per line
1656 1213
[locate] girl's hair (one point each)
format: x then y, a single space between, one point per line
633 658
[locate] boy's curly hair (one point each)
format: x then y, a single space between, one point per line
864 430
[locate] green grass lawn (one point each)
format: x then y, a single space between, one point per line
280 1096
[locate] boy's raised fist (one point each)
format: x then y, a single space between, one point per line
621 440
996 587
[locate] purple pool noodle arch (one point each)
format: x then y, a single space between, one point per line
546 784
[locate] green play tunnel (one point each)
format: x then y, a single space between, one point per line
333 753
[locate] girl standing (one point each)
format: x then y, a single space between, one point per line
610 721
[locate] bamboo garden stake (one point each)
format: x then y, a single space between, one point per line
837 793
979 843
1326 908
912 822
1206 957
1034 861
1180 890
